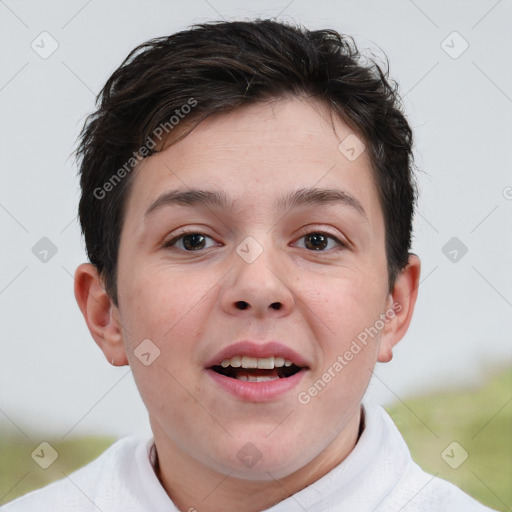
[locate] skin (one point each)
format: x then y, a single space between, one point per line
187 303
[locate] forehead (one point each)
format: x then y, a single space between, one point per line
258 153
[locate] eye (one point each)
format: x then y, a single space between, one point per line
190 242
318 241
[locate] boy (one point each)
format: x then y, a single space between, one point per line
289 163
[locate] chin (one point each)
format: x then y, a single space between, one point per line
263 461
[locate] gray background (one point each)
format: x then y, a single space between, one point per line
53 377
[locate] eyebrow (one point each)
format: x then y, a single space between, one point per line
295 199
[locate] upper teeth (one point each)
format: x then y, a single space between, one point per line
264 363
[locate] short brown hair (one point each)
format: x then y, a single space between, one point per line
221 66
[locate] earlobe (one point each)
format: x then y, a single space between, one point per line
100 314
401 303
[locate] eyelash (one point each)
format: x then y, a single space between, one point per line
169 244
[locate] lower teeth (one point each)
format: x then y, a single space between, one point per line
256 378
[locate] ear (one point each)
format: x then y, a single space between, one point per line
400 306
100 313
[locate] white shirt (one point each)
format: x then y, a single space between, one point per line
378 475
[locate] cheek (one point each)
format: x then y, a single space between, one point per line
348 352
350 347
351 304
162 305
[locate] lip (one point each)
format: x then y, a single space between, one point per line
256 391
252 349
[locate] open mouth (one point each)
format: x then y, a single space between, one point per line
254 369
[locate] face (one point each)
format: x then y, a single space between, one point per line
258 279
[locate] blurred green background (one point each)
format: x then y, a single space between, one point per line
479 421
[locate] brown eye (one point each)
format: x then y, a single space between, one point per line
318 241
189 242
194 242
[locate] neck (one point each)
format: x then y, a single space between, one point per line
193 486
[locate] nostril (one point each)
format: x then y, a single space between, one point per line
241 304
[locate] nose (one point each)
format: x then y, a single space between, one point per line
258 288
